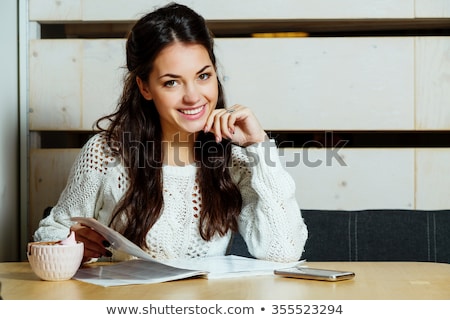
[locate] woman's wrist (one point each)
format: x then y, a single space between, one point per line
257 139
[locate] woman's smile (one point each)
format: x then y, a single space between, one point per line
193 112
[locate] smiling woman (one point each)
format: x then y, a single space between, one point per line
172 169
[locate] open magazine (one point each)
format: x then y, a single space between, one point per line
144 269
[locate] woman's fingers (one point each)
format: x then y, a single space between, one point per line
221 122
94 243
216 122
230 118
236 123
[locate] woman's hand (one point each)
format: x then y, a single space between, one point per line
94 243
237 123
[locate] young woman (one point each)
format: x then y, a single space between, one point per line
174 170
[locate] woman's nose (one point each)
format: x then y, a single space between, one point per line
191 94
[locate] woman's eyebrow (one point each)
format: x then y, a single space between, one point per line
172 75
203 69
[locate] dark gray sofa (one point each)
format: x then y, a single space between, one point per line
372 235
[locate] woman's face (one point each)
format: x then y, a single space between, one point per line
184 87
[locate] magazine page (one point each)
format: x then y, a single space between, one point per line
118 241
136 271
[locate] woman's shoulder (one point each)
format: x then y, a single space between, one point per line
98 154
97 139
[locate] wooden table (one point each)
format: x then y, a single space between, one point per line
374 281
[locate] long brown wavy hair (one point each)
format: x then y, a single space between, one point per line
135 125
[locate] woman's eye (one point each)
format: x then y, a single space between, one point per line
170 83
204 76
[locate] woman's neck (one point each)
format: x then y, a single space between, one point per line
179 150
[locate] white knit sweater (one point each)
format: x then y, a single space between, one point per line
270 222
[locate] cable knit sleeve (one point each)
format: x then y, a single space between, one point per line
84 194
270 222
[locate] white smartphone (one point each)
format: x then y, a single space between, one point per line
315 274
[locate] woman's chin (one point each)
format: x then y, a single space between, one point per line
194 128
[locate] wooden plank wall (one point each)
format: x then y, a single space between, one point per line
321 84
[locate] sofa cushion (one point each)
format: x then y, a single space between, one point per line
372 235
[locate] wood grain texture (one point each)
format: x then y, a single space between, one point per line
432 83
399 280
73 82
55 84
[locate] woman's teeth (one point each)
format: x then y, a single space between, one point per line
192 111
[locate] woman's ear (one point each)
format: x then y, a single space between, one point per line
144 89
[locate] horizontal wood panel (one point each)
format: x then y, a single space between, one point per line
124 10
312 83
322 83
352 179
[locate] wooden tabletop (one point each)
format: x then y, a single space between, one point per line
374 281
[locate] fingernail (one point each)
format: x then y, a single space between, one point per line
106 243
